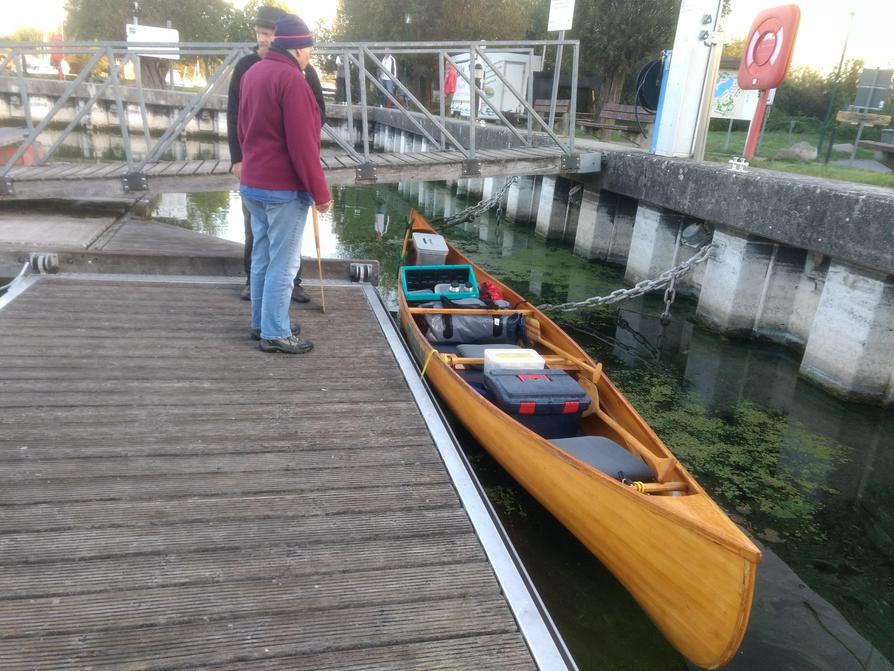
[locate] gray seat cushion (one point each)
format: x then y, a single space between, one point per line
468 351
607 456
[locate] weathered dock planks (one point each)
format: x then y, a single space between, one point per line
170 497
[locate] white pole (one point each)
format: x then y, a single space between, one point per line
689 69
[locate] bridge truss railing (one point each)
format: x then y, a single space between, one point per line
106 62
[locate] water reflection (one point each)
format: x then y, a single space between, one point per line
808 475
99 146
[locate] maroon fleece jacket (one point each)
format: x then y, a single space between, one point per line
279 129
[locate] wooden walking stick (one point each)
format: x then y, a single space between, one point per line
319 259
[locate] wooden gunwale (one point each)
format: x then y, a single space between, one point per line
718 605
708 531
607 390
682 520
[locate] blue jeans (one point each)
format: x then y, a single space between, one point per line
389 86
277 228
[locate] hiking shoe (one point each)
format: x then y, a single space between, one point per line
298 295
246 293
295 326
290 345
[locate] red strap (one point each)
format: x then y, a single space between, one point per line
527 408
527 377
571 407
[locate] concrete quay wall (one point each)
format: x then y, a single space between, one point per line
805 262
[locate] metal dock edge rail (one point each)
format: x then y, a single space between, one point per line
544 640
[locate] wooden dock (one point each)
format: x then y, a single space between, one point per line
174 498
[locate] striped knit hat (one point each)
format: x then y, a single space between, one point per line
292 33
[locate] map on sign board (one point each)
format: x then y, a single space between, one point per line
140 34
561 15
731 102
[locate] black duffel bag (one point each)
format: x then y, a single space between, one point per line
474 329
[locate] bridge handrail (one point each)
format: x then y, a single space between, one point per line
361 55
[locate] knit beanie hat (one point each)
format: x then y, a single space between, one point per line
292 33
267 16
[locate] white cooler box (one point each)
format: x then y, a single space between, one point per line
512 359
431 249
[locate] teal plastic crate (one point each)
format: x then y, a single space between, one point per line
419 282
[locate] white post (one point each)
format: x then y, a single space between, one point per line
689 68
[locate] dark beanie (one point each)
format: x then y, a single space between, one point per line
292 33
267 16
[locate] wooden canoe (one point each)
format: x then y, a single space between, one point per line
685 562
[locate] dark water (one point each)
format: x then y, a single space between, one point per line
808 476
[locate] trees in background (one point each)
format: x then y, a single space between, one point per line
423 20
426 21
617 36
205 21
25 34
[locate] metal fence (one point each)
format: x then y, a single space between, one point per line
104 63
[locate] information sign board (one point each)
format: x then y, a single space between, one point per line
561 15
730 101
141 34
872 90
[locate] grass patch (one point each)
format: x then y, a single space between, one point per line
718 150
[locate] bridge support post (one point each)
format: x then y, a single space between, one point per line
430 194
850 343
604 227
521 199
750 288
653 247
476 187
550 210
439 198
449 204
487 187
424 196
462 187
413 190
378 136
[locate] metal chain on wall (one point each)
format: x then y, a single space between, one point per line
663 280
472 213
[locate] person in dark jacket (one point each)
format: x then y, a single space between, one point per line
265 24
280 178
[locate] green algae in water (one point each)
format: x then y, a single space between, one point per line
773 472
749 460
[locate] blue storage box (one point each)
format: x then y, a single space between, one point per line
549 402
420 283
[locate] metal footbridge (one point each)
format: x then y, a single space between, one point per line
365 143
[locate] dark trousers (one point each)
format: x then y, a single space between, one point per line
249 243
340 90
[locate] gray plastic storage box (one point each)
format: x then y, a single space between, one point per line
548 401
431 249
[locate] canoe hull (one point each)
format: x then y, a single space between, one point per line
687 565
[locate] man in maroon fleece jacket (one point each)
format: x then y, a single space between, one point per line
279 132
